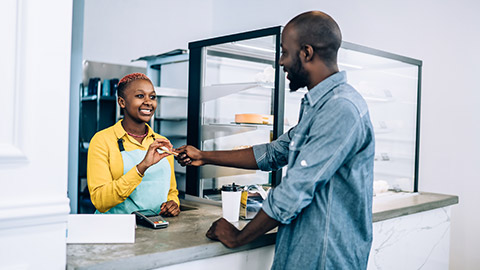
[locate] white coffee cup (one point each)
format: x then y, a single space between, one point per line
231 195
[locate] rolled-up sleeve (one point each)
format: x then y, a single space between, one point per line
273 156
331 139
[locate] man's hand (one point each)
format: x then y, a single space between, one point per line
231 237
189 155
169 209
223 231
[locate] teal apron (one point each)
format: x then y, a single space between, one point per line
152 191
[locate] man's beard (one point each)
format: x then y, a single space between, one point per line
299 77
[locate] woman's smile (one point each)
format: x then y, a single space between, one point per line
146 112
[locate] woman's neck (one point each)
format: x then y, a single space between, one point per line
133 127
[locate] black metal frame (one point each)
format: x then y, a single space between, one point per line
408 60
194 95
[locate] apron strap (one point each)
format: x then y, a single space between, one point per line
120 145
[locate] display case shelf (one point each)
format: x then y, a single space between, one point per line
212 131
216 91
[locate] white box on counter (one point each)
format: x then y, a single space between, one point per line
91 228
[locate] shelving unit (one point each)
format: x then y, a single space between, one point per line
169 75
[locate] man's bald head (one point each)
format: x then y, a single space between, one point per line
320 31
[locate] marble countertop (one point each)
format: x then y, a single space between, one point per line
184 240
392 205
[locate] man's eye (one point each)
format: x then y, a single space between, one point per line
153 97
139 96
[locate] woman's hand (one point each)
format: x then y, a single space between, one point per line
169 209
153 156
189 155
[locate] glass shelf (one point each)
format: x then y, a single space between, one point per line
212 131
216 91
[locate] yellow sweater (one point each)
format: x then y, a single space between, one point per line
107 184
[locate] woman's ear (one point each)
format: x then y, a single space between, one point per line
121 102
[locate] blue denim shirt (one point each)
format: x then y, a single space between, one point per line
324 203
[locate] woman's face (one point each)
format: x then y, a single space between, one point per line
139 101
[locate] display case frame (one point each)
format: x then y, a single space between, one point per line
196 64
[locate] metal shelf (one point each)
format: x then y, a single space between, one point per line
175 119
170 92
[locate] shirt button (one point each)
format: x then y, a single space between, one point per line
303 163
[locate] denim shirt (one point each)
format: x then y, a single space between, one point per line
324 203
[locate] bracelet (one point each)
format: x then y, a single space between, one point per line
136 168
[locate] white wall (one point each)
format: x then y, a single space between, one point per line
35 72
120 31
444 34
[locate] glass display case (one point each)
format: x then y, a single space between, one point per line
391 86
235 100
238 97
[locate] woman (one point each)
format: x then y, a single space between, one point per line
125 169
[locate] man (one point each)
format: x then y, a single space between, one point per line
323 206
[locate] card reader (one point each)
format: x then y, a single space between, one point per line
149 218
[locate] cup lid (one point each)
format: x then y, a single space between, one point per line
231 187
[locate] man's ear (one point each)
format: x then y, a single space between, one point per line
308 51
121 102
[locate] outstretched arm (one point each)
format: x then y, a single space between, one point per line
243 158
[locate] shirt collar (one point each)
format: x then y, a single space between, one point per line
120 132
319 90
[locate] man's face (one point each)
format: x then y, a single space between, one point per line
290 60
